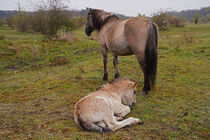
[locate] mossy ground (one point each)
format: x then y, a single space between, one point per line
40 81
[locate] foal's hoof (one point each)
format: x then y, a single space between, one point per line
140 122
100 130
144 93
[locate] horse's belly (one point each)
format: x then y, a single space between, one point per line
121 50
119 47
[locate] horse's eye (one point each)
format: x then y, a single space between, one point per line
134 92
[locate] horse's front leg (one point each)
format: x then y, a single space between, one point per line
104 52
115 62
105 77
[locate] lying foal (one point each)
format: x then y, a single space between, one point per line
102 109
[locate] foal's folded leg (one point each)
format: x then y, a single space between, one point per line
118 118
122 110
103 125
115 125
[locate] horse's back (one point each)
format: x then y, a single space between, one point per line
125 37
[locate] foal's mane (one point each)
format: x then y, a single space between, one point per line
101 17
114 81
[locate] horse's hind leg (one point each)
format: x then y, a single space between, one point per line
115 62
147 86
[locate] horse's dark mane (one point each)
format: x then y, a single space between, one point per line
114 81
98 21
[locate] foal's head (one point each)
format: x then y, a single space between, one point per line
129 92
96 19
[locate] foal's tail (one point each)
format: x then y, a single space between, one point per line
151 53
86 125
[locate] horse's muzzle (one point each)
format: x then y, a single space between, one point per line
87 31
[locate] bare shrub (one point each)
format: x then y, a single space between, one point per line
49 16
79 22
23 20
204 20
160 19
11 22
176 22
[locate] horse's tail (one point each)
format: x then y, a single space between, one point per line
151 53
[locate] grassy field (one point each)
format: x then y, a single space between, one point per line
40 81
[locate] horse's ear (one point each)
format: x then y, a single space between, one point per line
135 84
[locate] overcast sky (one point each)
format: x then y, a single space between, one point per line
126 7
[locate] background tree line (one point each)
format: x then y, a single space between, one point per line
189 15
47 18
52 15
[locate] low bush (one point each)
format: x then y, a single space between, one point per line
161 20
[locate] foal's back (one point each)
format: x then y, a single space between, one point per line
92 108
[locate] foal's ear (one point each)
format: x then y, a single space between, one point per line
135 84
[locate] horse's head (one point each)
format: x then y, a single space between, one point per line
89 26
129 96
96 19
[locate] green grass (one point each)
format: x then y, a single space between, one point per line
40 81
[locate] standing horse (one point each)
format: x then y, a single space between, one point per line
126 37
102 109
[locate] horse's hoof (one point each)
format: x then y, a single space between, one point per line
117 76
105 77
144 93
